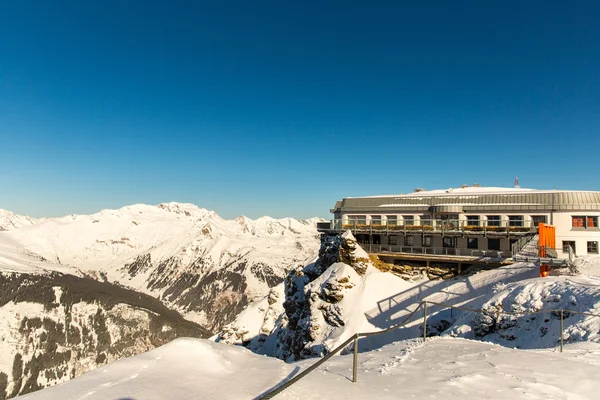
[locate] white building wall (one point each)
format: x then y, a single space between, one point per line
566 232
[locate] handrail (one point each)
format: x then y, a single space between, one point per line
272 393
280 388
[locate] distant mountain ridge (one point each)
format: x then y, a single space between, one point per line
190 258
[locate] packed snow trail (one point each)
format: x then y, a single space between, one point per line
440 368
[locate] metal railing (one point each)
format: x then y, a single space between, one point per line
521 243
354 338
440 251
484 227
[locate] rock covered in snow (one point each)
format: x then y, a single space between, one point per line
544 297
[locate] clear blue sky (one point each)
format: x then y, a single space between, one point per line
282 108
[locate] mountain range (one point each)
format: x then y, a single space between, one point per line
83 290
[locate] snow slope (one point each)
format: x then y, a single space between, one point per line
441 368
14 257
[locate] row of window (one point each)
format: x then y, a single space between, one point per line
592 247
584 222
472 220
472 243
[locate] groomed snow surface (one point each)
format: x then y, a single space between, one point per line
440 368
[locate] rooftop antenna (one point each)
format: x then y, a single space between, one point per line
517 182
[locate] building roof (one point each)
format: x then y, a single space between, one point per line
473 199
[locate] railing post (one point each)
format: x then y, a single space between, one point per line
355 363
424 321
561 331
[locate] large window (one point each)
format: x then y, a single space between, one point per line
578 222
426 241
567 244
472 243
493 220
392 220
472 220
494 244
392 240
375 219
515 220
592 247
357 219
592 222
409 220
539 219
584 222
409 240
448 241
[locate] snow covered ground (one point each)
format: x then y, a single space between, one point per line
440 368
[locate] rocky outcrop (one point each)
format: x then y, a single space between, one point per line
312 297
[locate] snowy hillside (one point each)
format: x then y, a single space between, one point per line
441 368
54 327
10 220
190 258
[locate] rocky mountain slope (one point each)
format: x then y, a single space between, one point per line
191 259
56 326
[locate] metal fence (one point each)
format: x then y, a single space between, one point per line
422 305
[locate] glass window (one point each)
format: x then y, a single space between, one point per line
539 219
426 241
493 220
392 240
392 220
409 220
448 241
592 247
472 220
578 222
357 219
592 222
409 240
472 243
515 220
376 219
494 244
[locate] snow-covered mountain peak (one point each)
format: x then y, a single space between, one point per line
187 209
10 220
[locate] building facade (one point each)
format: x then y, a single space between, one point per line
470 221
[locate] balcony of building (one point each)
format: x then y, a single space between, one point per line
500 227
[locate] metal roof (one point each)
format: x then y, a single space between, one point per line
475 200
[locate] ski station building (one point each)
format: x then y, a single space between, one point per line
469 221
